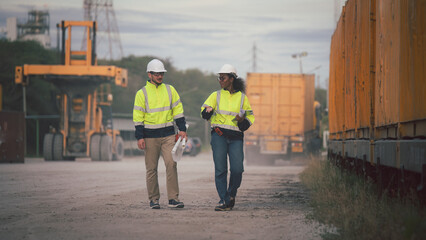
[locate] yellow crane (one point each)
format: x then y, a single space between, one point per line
85 128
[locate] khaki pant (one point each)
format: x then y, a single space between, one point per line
155 146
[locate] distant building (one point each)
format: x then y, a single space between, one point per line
36 28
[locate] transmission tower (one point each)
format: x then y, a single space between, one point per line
108 43
254 58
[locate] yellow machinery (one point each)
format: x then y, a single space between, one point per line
85 128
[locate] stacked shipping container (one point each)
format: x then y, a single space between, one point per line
377 89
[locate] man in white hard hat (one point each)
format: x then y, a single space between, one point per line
157 106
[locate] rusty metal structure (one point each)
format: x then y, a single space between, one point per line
37 27
85 101
12 136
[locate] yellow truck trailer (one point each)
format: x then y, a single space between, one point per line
286 122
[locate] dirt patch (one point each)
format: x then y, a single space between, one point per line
108 200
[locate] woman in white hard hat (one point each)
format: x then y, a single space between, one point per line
230 114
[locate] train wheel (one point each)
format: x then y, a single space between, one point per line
119 149
47 147
58 147
95 145
106 148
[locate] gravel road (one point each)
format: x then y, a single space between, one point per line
108 200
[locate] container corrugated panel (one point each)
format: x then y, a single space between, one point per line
291 102
337 77
331 89
12 137
387 65
278 102
365 66
260 96
413 69
350 66
400 69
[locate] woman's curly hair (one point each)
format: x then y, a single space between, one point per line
238 84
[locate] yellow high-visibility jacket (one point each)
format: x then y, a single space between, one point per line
226 106
155 109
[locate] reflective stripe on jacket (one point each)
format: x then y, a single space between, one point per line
157 107
226 106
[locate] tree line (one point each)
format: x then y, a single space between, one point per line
193 85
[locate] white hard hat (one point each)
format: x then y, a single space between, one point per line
228 68
155 65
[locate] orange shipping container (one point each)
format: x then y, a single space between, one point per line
352 72
350 66
400 69
365 67
282 103
384 89
337 83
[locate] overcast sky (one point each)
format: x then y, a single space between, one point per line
207 34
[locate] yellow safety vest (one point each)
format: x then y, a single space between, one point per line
157 107
226 106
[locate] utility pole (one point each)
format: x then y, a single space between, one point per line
299 57
318 81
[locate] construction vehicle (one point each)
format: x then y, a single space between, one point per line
286 117
85 126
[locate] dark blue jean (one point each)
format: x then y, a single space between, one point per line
222 148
